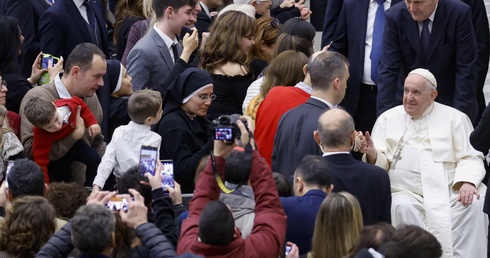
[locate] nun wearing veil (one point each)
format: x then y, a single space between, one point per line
184 127
113 98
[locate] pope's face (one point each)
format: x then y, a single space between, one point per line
417 95
421 9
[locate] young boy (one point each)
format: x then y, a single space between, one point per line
123 152
54 121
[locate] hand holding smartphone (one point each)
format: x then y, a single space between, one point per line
45 60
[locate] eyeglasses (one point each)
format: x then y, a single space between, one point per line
263 1
4 83
206 97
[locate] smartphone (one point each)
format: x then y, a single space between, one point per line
148 160
288 249
45 60
223 133
167 173
117 203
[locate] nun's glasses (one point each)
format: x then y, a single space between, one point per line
206 97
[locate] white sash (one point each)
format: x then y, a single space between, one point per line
436 201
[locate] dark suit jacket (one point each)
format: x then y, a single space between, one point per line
332 12
368 183
62 28
451 58
203 23
28 13
301 212
480 139
294 136
480 25
350 40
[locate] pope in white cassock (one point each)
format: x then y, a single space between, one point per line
434 171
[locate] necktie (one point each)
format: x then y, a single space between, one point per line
90 15
379 24
425 36
176 53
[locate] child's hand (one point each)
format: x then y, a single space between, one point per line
93 130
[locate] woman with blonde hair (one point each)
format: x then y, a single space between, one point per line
285 70
29 224
337 227
224 57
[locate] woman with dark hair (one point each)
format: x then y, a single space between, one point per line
10 48
184 127
224 57
372 237
29 224
127 13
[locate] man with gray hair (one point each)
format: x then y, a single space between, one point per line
434 171
329 72
93 229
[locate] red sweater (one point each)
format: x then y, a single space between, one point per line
277 102
269 229
43 140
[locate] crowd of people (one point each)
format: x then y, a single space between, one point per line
373 146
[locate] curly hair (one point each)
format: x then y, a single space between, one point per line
224 40
66 198
29 224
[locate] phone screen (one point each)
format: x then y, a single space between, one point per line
117 203
167 173
288 249
148 160
45 60
9 166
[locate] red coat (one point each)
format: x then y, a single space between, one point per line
277 102
268 232
43 140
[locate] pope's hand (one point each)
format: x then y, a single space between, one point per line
466 193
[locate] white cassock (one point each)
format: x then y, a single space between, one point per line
436 157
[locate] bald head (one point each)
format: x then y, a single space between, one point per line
336 129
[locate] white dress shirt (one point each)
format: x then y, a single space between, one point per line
123 152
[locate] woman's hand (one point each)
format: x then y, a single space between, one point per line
37 70
56 69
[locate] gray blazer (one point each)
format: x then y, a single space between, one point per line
149 62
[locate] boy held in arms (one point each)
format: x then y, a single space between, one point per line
123 152
54 121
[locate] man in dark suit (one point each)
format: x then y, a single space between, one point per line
329 72
154 55
437 35
204 17
359 36
332 12
68 23
482 33
368 183
311 185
